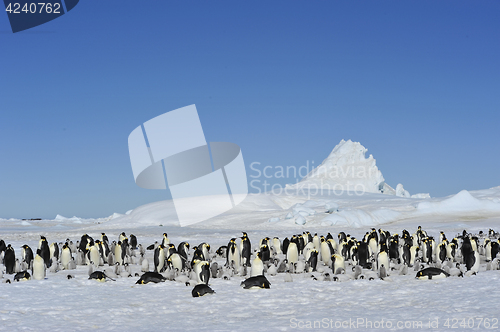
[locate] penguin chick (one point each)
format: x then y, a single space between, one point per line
382 272
272 270
288 277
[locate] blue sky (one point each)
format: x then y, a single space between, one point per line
417 83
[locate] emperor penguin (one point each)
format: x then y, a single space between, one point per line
413 255
202 271
487 249
119 253
277 245
233 254
133 241
307 250
39 266
316 242
104 238
159 258
338 263
451 250
292 254
9 259
313 260
176 261
205 249
472 261
362 253
246 249
27 255
94 256
65 256
44 251
373 245
257 266
431 273
122 236
442 252
265 253
165 241
382 260
325 251
54 250
182 250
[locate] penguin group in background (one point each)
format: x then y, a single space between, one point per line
377 254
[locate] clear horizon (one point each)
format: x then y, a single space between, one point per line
416 83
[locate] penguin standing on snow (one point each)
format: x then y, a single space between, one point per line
39 266
182 250
9 259
313 261
44 251
202 271
159 258
233 254
338 263
54 251
257 266
246 249
27 255
165 241
292 253
65 256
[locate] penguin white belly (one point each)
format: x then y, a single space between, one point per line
176 261
292 254
94 256
383 259
65 258
325 253
339 263
235 257
277 245
475 267
257 267
38 268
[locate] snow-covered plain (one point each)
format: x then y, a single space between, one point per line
400 302
58 304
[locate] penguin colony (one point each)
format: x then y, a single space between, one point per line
378 254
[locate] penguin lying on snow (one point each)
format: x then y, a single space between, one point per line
22 276
431 273
257 282
201 289
151 277
99 276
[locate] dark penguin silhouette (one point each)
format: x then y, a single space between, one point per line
9 260
151 277
246 249
25 275
257 281
44 251
100 276
201 289
431 272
